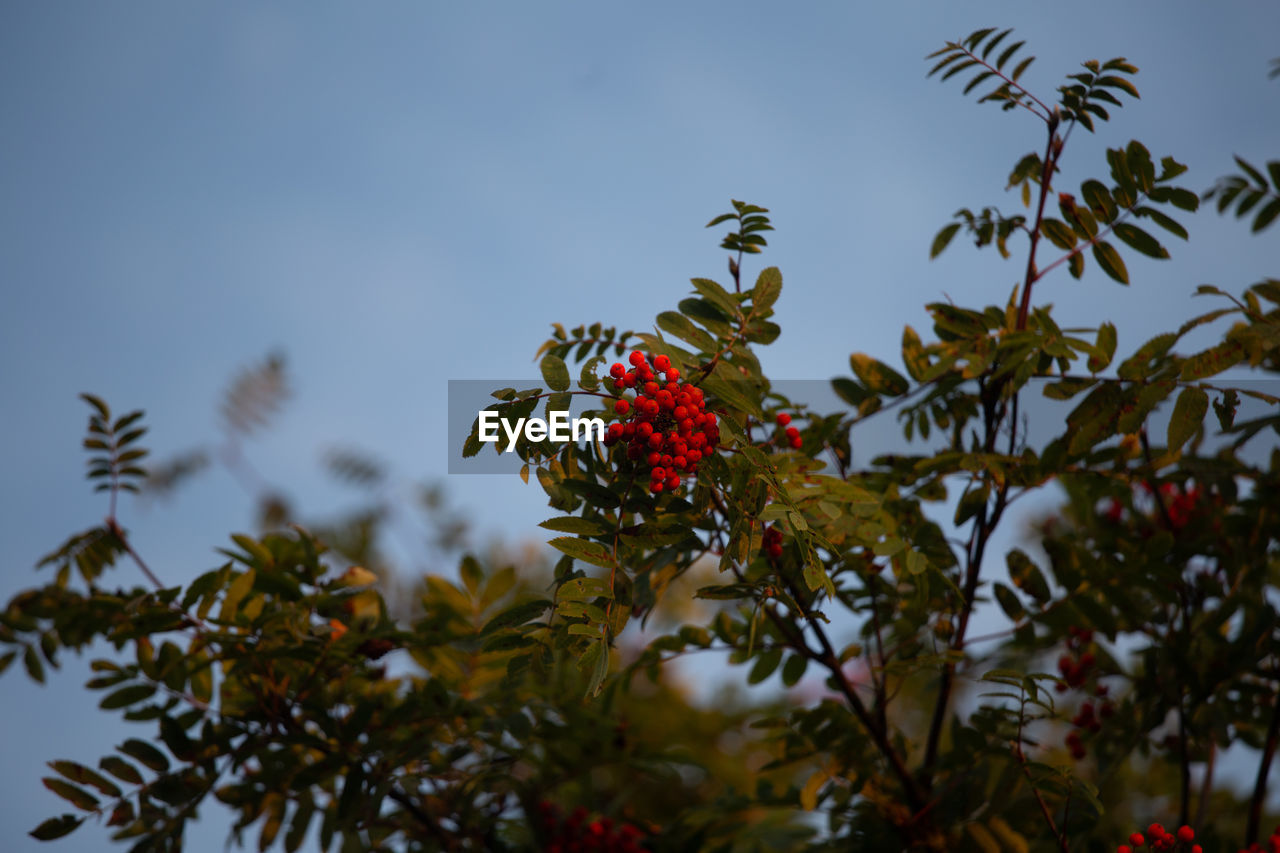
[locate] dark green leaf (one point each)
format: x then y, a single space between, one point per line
943 238
1059 233
1026 575
768 288
575 524
121 769
76 796
582 549
1140 240
1266 215
684 329
146 753
126 696
878 377
1009 602
1109 259
56 827
555 373
1188 416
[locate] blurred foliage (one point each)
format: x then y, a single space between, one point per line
520 704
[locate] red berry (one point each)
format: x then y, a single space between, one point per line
1137 840
672 374
622 407
655 487
617 371
783 419
1124 848
637 358
1186 833
797 442
662 362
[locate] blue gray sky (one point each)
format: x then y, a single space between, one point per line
399 194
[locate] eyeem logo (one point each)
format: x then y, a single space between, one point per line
560 427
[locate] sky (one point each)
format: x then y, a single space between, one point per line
400 194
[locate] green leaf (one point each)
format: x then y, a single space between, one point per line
126 696
146 753
877 376
764 666
582 549
1188 416
1140 240
599 671
1266 215
943 239
718 296
793 670
1105 348
76 796
31 660
239 588
1059 233
1009 602
1109 259
84 776
1099 199
683 328
732 393
121 769
1212 361
583 589
768 288
555 373
56 827
517 614
575 524
1026 575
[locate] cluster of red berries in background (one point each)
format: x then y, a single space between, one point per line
1181 504
1272 846
788 433
575 834
1161 839
667 426
1076 667
772 544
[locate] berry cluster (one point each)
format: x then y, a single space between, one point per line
788 433
574 834
1161 839
772 544
667 426
1087 719
1272 845
1076 665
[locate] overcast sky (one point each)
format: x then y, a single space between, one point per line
397 194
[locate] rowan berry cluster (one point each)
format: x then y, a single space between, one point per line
1076 665
772 544
787 433
1160 839
667 426
574 834
1272 845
